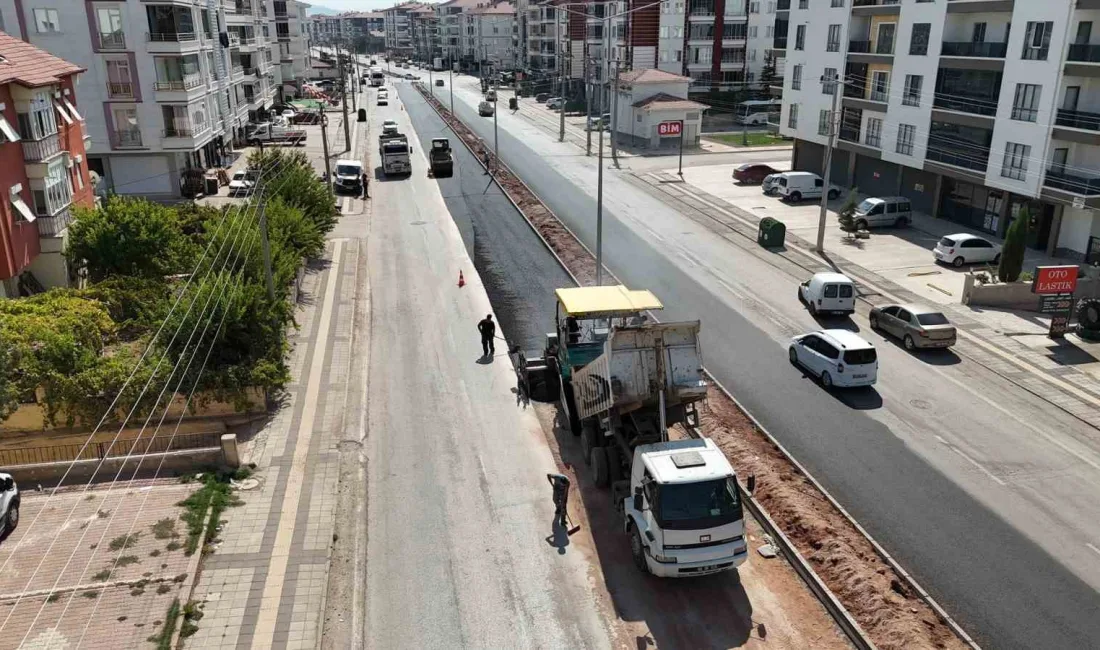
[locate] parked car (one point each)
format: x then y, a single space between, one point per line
349 176
389 127
383 99
241 184
916 325
964 248
889 211
770 184
752 173
837 357
542 97
491 96
9 504
795 186
485 109
828 293
597 122
439 82
554 103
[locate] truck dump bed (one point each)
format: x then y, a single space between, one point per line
637 362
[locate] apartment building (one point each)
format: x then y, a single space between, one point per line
169 85
292 44
43 166
424 33
490 37
451 27
974 109
324 28
396 24
544 30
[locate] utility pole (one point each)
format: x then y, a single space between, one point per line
496 105
347 123
599 210
745 80
615 115
324 145
452 75
266 250
834 125
561 71
588 103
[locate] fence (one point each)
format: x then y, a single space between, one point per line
148 444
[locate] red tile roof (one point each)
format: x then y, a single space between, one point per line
29 66
649 76
666 102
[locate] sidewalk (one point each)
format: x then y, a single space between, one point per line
1003 342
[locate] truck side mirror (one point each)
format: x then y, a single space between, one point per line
638 501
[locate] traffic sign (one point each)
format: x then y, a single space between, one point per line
1055 279
674 127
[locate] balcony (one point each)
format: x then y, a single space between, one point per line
859 47
1078 119
1084 53
783 5
966 48
184 84
848 133
120 90
126 138
112 42
965 158
54 225
172 42
172 37
179 132
41 150
974 105
1059 180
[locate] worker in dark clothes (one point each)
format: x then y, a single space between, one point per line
366 186
488 330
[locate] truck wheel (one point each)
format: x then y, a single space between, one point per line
13 517
588 439
569 407
601 474
637 551
614 463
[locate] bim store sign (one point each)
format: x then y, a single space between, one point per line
1056 285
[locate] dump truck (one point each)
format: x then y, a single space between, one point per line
393 150
441 159
623 380
268 133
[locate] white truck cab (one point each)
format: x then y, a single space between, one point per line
684 514
9 504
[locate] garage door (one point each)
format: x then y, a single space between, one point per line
876 177
840 168
809 157
919 187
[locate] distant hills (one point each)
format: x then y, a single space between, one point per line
317 9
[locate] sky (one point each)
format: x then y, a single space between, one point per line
355 5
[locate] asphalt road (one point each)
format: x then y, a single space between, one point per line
986 494
458 504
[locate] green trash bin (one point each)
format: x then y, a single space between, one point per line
771 233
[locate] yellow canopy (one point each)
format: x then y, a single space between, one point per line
587 302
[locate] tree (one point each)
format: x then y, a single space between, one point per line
846 215
1012 254
767 73
130 236
290 175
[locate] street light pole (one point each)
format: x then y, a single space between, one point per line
599 209
561 72
588 104
615 115
834 125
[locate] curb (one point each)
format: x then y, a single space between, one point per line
188 587
837 611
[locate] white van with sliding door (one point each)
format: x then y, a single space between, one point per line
795 186
836 357
828 293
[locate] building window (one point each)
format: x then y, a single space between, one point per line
906 132
1037 41
1026 105
796 77
58 192
803 4
832 44
918 40
911 96
837 3
40 122
46 22
823 122
800 37
1015 163
874 132
880 86
792 117
828 81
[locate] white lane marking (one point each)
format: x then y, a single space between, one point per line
1096 550
684 256
971 461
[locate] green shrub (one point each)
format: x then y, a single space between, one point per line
1012 253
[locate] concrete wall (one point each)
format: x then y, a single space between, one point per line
1016 295
175 463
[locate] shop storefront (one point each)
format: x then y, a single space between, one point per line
993 210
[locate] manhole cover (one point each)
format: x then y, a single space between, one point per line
247 484
920 404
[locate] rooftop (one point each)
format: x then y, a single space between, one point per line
650 76
586 302
666 461
667 102
29 66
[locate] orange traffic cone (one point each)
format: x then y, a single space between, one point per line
461 280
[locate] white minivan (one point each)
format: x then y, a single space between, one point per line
795 186
836 357
828 293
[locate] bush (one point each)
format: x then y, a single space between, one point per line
1012 254
846 213
290 176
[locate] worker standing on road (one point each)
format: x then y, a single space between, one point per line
485 159
366 186
488 330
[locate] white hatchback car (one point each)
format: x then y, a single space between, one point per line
836 357
964 248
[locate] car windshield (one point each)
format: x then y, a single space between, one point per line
239 176
947 242
866 206
932 319
691 506
347 170
860 357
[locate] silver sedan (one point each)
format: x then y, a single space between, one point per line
916 325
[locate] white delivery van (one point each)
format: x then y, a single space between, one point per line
828 293
795 186
889 211
837 357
